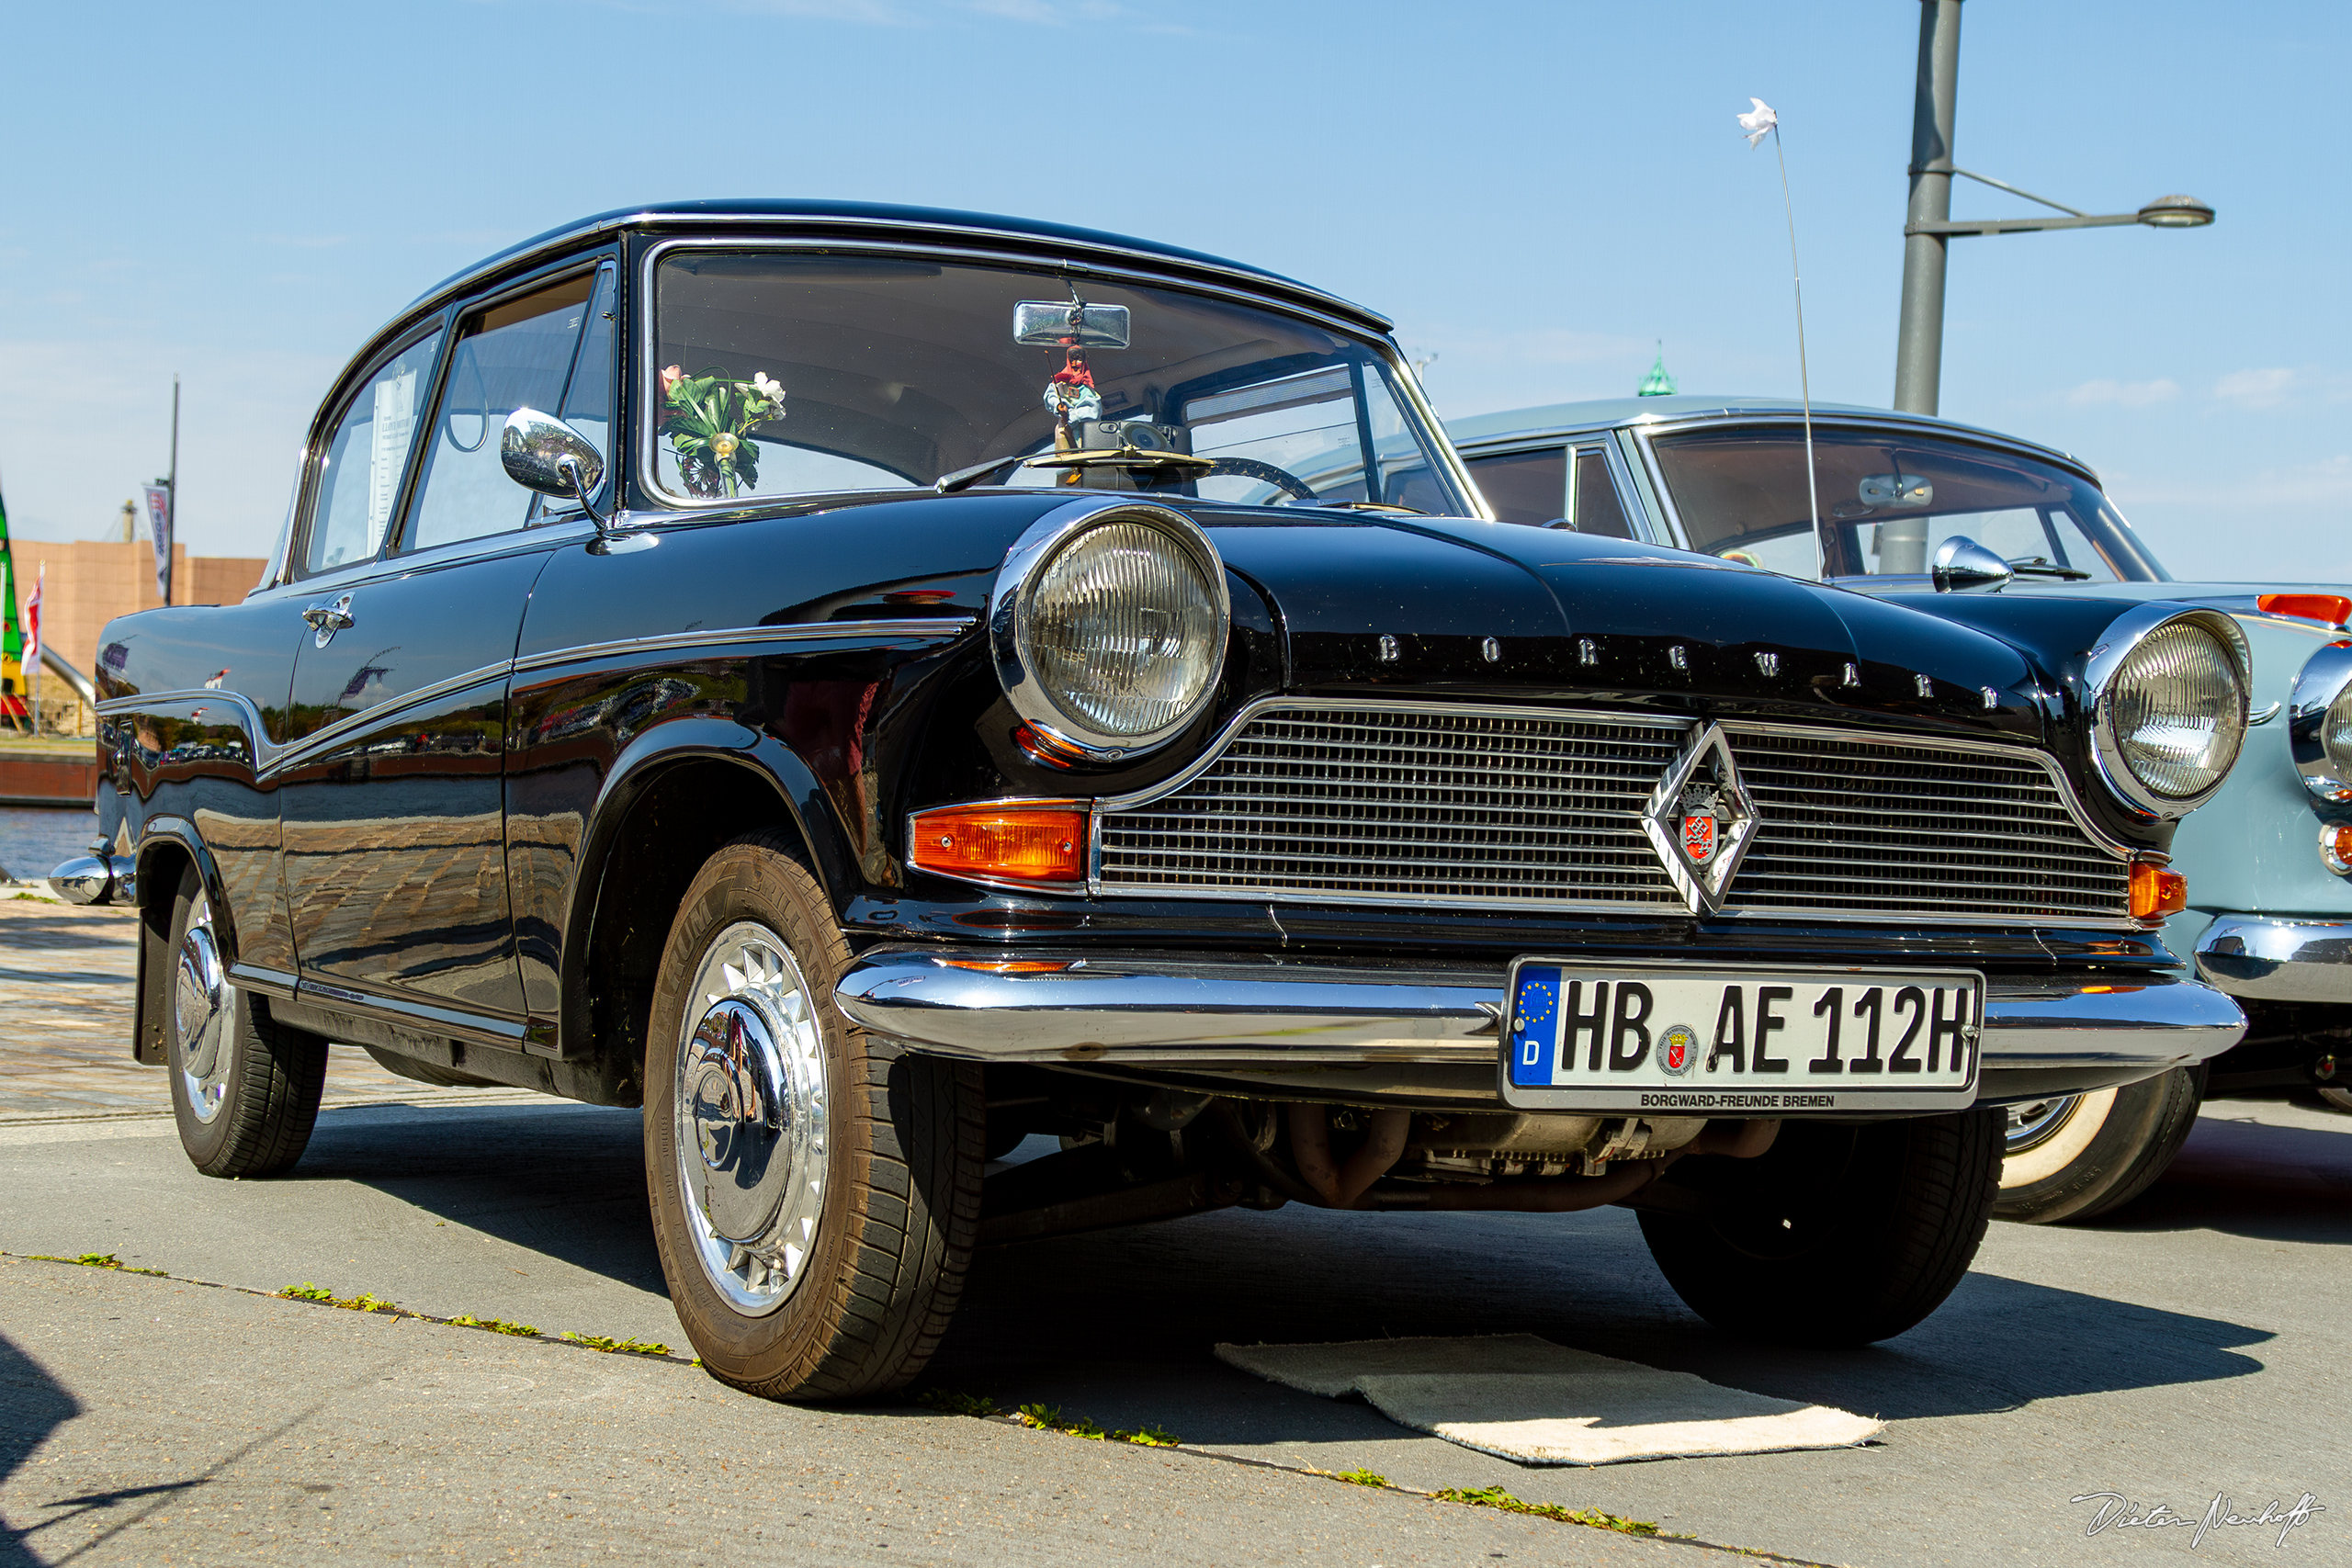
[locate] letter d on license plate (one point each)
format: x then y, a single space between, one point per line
1739 1040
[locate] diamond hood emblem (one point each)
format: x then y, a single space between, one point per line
1699 819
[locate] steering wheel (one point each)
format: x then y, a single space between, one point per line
1265 473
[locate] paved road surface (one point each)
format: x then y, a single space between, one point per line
2194 1346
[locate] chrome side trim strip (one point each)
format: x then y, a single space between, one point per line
1204 1014
2270 959
729 637
268 982
503 1033
293 753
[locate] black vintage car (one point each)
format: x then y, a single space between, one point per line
875 685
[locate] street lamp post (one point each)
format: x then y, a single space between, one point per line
1929 226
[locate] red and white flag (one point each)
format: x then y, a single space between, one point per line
32 619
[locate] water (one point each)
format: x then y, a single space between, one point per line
36 840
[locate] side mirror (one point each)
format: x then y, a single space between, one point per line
1963 566
544 454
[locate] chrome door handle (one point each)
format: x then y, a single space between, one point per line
329 616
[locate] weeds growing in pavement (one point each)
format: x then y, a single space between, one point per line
1496 1497
949 1403
495 1324
99 1260
1357 1477
627 1346
366 1301
1049 1419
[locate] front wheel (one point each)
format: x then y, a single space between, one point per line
1839 1235
815 1191
2087 1155
244 1088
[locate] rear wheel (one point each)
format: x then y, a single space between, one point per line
1839 1235
2088 1154
244 1088
815 1191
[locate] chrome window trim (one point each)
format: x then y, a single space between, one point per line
1008 616
2097 838
644 443
2323 679
2123 634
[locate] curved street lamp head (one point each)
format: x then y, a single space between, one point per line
2176 212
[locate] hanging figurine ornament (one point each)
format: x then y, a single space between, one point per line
1071 394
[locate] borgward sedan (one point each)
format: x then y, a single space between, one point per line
872 687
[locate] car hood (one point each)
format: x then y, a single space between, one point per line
1493 609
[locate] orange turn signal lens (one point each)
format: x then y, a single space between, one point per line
2333 608
2157 892
2335 846
1042 842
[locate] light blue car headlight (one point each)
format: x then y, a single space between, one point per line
2169 701
2319 723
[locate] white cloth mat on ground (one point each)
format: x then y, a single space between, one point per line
1526 1399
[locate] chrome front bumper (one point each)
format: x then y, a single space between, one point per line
1363 1031
2266 958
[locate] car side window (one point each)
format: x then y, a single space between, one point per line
1594 508
359 484
517 354
1523 487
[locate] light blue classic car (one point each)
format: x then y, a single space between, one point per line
1910 504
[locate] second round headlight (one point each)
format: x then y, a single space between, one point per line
2175 712
1121 628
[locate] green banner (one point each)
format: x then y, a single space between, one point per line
11 641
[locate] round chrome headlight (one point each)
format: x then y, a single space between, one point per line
1109 625
2170 714
2319 723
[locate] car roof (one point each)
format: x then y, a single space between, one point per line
1565 419
882 220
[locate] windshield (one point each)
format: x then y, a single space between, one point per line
1888 501
787 373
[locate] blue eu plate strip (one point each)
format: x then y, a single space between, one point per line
1534 1026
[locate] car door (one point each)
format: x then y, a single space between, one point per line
394 823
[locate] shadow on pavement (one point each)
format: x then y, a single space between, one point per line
32 1406
561 1180
1121 1324
2252 1179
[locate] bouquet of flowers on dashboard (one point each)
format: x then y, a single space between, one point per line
708 419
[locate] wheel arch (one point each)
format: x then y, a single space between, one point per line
669 803
167 847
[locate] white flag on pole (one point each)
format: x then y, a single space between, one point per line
1757 121
32 618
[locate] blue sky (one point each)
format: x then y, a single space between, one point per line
1534 192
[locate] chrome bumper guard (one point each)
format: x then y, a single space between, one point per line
97 879
1428 1032
2265 958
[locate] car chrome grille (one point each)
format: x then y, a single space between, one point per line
1369 802
1422 804
1863 826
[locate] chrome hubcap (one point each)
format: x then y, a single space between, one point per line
748 1116
200 998
2036 1123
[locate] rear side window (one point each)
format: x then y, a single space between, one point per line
359 478
1594 508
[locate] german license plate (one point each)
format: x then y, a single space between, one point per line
1739 1040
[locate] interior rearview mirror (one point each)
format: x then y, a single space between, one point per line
1046 323
542 453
